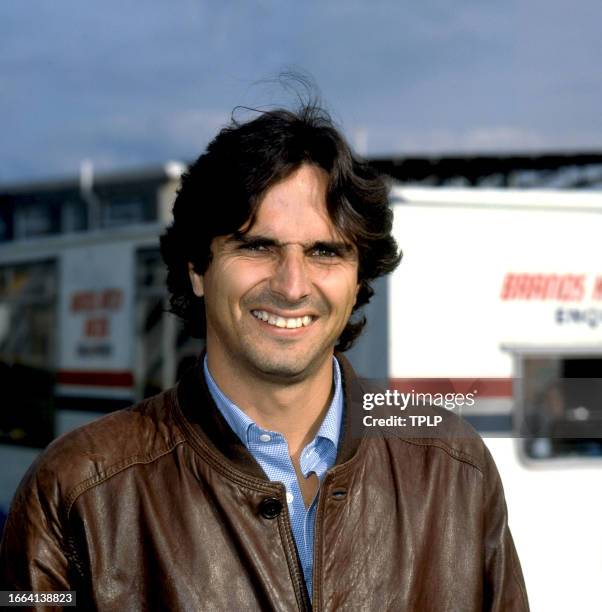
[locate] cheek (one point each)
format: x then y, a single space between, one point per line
342 292
231 283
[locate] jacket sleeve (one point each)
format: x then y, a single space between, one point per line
32 551
504 586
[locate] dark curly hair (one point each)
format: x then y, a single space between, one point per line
222 190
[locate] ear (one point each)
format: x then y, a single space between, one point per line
196 280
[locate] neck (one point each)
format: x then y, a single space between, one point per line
295 409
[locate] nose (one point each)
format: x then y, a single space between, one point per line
290 278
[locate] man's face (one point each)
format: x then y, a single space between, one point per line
278 297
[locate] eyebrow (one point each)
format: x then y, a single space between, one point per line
337 246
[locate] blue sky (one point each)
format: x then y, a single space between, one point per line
129 83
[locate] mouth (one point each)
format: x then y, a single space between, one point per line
283 322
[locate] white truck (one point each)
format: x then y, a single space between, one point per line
500 292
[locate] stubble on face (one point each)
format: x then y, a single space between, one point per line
251 347
286 358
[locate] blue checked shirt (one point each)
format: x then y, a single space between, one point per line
270 450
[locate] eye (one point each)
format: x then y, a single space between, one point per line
325 252
254 247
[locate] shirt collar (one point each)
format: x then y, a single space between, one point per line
241 423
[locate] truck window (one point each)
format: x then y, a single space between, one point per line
28 304
562 406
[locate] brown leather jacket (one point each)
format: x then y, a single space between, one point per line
160 507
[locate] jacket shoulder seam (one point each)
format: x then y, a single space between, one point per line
452 452
113 470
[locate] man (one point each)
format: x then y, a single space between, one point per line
246 486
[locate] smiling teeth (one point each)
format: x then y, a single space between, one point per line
282 322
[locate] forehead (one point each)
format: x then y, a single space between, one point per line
294 209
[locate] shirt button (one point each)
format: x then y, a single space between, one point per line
289 498
265 437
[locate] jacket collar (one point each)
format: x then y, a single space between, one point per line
203 416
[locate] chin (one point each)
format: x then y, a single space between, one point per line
282 369
287 366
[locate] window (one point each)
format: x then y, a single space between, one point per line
127 210
562 405
27 350
6 219
73 216
37 218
